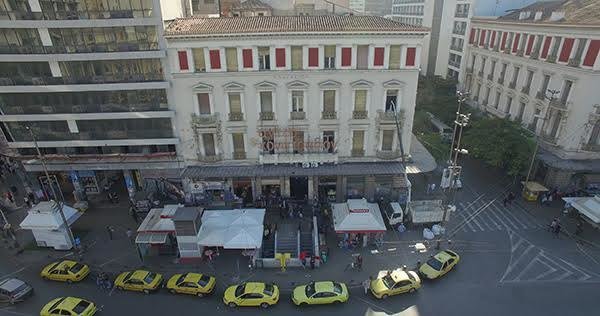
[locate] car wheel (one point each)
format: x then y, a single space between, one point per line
411 290
200 294
264 305
146 291
303 304
172 291
232 305
69 281
384 296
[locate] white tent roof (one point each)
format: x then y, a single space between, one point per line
232 229
155 222
356 216
588 206
45 215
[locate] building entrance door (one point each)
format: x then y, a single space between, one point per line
298 187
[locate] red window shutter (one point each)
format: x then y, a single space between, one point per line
411 53
346 56
592 53
503 44
566 49
546 47
493 39
472 36
529 44
215 59
379 53
313 57
183 62
279 57
482 38
516 42
247 57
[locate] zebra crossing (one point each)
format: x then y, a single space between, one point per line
490 215
529 263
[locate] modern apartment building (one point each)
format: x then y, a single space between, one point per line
87 78
301 105
211 8
540 66
443 50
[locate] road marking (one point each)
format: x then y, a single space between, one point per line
502 225
587 254
13 273
373 304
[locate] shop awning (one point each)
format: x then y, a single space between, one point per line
45 215
587 206
357 216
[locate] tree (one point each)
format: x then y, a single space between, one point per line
500 143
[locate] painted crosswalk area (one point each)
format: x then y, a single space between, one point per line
529 263
490 215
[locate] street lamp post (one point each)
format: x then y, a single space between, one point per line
59 203
537 141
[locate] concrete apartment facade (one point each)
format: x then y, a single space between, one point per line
540 66
307 109
88 78
443 50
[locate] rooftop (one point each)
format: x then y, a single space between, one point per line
197 26
580 12
251 5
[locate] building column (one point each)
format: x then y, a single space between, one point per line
340 189
129 183
256 188
370 188
284 183
311 191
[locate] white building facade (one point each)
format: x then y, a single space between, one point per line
307 109
88 78
443 50
544 75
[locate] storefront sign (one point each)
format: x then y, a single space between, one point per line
287 140
359 210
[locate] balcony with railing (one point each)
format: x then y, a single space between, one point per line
535 54
574 62
210 158
239 155
469 70
459 31
360 115
480 73
454 63
551 58
296 116
591 147
329 115
236 116
390 116
490 77
50 80
520 52
559 104
203 120
77 11
298 157
387 154
457 48
78 49
461 14
267 116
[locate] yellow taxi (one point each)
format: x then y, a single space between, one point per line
439 264
393 282
69 306
324 292
65 271
139 280
251 294
191 283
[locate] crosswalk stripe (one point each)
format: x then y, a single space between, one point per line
502 222
465 214
510 220
518 219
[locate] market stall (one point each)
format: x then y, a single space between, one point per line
232 229
358 221
532 190
46 224
156 234
588 207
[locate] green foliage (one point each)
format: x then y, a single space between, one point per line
435 145
500 143
437 96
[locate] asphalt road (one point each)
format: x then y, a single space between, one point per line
509 266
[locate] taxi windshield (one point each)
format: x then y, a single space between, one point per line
435 264
81 307
76 268
150 277
269 289
388 281
337 288
203 281
310 290
239 290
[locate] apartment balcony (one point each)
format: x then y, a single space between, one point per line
75 14
574 62
535 54
297 158
329 115
358 153
501 79
551 59
540 95
520 52
549 139
297 116
459 31
490 77
507 50
267 116
236 116
204 120
49 80
210 158
525 90
360 115
239 155
390 116
559 104
591 147
486 46
456 48
459 14
388 154
512 85
496 48
454 63
58 49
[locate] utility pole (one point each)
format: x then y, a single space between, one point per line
399 133
537 141
59 203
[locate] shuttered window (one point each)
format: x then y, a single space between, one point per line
395 57
379 56
235 102
238 142
358 140
231 56
313 57
411 53
529 44
199 63
215 59
329 100
566 49
387 140
546 47
360 100
296 57
208 141
503 44
266 101
183 61
516 42
472 36
592 53
247 57
203 103
493 40
481 37
279 57
346 56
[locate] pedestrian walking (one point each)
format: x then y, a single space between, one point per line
129 234
359 262
366 284
109 230
428 188
432 187
556 231
511 197
10 197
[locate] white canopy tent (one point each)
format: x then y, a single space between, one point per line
357 216
232 229
589 207
47 226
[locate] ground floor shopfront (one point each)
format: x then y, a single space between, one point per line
566 174
333 183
